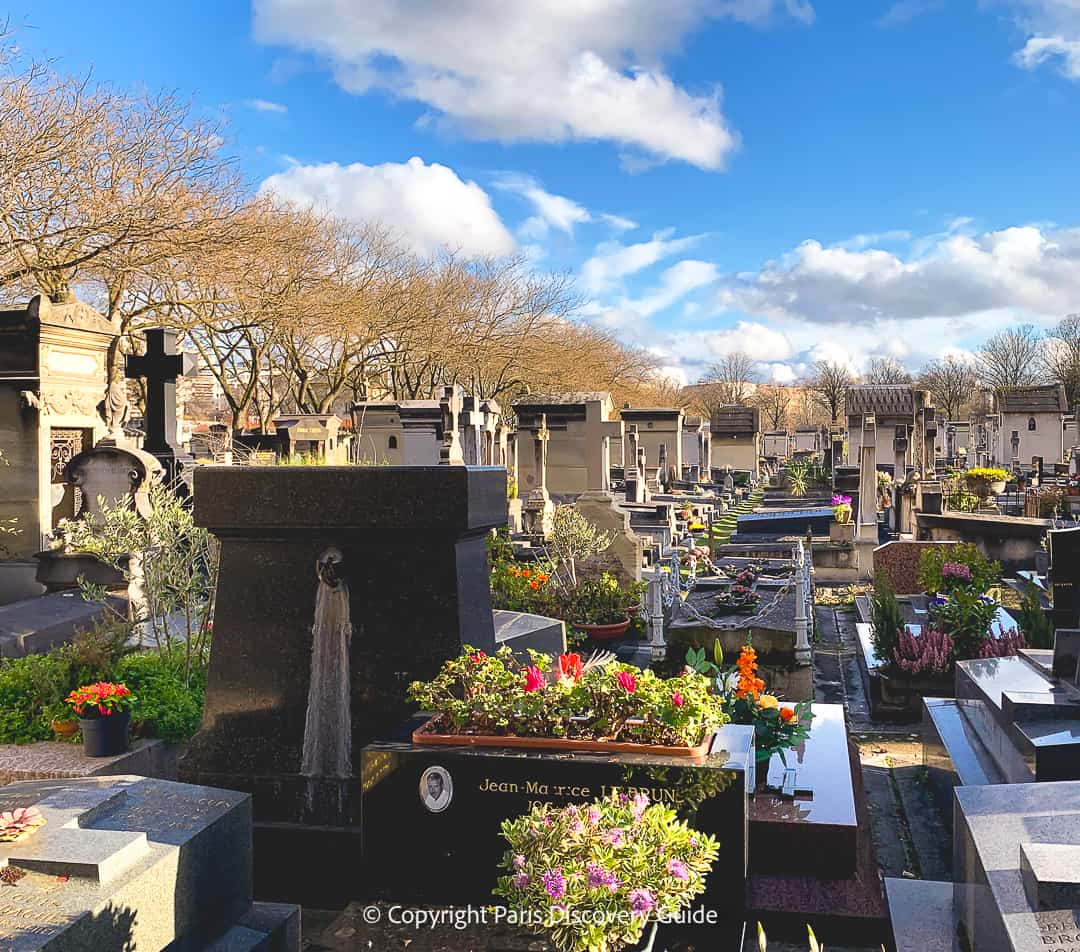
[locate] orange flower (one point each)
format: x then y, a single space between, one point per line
749 684
512 571
534 584
787 713
541 577
525 573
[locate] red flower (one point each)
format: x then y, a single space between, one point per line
627 681
478 657
534 679
787 713
677 699
570 666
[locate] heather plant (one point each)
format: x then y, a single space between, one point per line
593 876
928 653
985 573
484 694
1005 645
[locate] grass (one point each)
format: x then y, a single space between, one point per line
728 522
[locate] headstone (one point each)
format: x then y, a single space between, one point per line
1036 471
729 481
159 367
635 467
451 404
1066 660
117 475
127 862
662 478
538 510
867 526
1063 546
326 609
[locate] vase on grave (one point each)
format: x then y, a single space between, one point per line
105 736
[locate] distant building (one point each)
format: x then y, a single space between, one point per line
892 406
736 438
1027 422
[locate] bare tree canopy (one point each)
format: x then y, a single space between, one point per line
886 370
731 380
1010 358
829 383
952 382
774 403
1061 356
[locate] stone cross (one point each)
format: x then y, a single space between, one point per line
867 527
451 403
159 367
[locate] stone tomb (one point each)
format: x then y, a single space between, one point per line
130 863
338 587
454 835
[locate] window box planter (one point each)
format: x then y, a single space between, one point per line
428 734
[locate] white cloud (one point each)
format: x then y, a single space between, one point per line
549 71
613 260
1053 31
618 223
1026 269
904 11
427 205
1040 49
675 283
266 105
556 211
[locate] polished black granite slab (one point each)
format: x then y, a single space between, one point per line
815 832
452 847
990 903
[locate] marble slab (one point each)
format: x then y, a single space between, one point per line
921 913
1051 875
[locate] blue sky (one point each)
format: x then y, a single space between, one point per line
797 179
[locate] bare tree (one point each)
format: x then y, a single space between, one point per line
774 401
1010 358
952 383
886 370
729 381
829 383
1061 356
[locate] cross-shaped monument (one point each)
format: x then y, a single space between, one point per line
159 367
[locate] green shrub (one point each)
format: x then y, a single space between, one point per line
169 709
1034 621
984 573
887 619
966 618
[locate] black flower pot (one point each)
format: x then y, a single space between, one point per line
105 736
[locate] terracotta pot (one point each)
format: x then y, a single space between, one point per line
426 735
604 632
64 728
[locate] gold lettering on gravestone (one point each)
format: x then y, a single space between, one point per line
534 788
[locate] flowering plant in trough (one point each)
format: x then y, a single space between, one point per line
841 507
594 875
568 697
929 653
102 699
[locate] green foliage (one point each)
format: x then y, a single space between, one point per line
984 573
966 617
599 601
887 619
1034 621
574 539
495 695
33 688
594 875
524 587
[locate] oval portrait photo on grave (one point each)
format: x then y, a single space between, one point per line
436 789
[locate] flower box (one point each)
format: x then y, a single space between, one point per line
427 734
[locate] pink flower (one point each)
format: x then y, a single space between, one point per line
521 880
627 681
534 679
519 862
594 816
642 902
555 884
614 836
677 868
478 657
677 699
641 802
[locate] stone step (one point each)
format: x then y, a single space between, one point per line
266 927
921 914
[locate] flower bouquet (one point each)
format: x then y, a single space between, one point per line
595 875
841 508
104 711
571 704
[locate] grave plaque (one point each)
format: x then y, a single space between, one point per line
1066 664
1063 546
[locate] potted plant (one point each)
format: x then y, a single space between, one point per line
983 481
62 719
496 701
599 608
841 509
739 599
104 712
597 877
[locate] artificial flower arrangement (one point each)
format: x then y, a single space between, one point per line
841 507
103 699
777 727
482 695
20 823
743 574
625 861
739 598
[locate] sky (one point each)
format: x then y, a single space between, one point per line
794 179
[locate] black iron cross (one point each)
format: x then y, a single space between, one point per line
159 366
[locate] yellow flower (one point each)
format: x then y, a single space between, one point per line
768 701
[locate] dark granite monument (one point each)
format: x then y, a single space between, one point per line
1063 546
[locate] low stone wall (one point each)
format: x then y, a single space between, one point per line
1010 540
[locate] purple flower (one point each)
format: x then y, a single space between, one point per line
577 826
519 861
956 570
841 500
594 816
598 876
554 883
677 868
642 902
614 836
641 801
521 880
